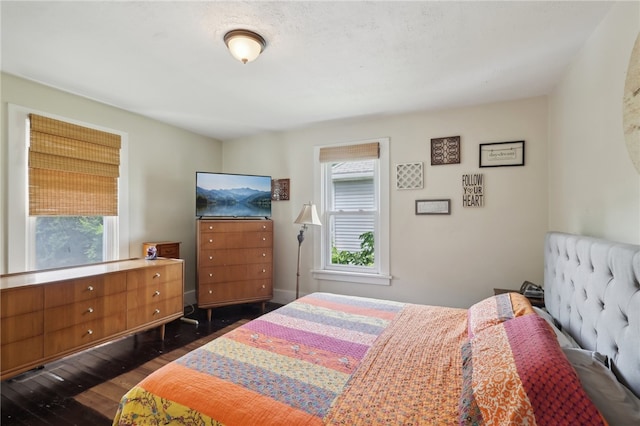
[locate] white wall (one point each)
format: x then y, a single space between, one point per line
594 188
445 260
162 164
577 178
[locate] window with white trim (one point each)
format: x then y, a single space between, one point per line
64 192
353 185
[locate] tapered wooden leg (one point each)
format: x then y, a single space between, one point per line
162 330
209 314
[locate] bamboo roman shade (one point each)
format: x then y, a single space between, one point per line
364 151
73 170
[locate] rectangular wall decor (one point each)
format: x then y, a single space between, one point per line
445 150
502 154
409 176
279 189
473 190
433 206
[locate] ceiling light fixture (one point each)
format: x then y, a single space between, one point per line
244 45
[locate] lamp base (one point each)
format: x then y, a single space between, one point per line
300 240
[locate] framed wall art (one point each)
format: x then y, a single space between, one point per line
445 150
433 206
279 189
502 154
409 176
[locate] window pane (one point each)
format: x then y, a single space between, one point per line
353 186
352 240
68 241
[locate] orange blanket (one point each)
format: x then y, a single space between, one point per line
339 360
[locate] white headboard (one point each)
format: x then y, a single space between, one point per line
592 288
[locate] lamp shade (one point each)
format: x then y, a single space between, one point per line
308 215
244 45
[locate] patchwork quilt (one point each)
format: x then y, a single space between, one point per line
340 360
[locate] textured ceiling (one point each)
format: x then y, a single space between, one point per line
323 61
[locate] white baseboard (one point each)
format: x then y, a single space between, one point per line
284 296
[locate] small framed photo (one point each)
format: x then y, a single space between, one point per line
433 206
502 154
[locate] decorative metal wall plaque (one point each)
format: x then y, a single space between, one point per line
279 189
409 176
445 150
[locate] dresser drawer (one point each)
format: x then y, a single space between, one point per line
155 310
21 314
87 310
21 352
232 240
223 257
20 327
145 295
219 274
21 300
83 334
80 289
154 276
209 227
230 291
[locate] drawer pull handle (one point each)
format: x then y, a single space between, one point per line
210 227
211 275
90 288
157 311
156 275
210 291
210 257
264 239
264 254
156 293
264 270
264 227
90 310
264 286
89 331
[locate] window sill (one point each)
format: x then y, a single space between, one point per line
352 277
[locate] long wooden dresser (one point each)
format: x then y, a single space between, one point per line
235 262
46 315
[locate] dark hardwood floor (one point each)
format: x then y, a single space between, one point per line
45 396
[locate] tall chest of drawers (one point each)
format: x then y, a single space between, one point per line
235 262
47 315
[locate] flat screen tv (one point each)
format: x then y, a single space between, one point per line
232 195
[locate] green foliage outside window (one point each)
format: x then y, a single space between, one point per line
364 257
68 241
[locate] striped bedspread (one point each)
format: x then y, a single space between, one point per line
340 360
299 365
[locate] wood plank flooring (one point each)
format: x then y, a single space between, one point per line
45 396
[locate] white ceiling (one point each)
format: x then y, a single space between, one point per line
323 61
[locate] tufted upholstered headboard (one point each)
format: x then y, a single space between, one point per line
592 288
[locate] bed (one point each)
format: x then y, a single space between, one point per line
340 360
